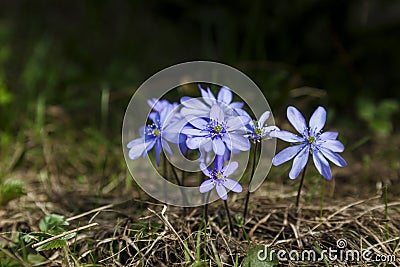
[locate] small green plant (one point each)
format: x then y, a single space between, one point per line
378 116
50 226
10 190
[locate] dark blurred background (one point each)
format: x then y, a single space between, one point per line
80 56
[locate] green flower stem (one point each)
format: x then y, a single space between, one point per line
206 207
300 187
253 168
165 175
180 183
321 204
228 214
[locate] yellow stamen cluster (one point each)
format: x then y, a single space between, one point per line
156 132
311 139
258 131
218 128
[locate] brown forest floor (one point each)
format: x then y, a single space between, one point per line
85 180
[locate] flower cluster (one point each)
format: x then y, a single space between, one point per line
215 126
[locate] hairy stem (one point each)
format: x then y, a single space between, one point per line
165 175
300 186
228 214
206 207
180 183
253 168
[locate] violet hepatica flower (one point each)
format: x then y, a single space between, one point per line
201 106
323 146
258 130
216 133
156 134
219 179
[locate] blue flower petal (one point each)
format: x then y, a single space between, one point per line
141 130
194 142
205 170
198 123
211 95
286 154
236 105
328 135
136 148
221 191
236 142
334 157
152 102
218 146
194 107
264 117
149 145
229 168
172 137
333 145
234 123
225 95
134 142
206 145
296 119
317 121
218 163
166 146
194 103
207 96
182 145
287 136
193 132
207 185
204 156
299 162
217 113
232 185
240 112
165 114
267 130
322 164
185 98
152 116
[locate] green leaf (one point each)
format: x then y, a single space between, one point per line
378 116
53 223
68 237
55 244
36 236
11 190
252 258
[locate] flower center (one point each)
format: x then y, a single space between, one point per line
152 130
311 139
218 128
215 129
218 176
156 132
258 131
